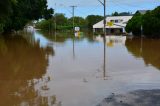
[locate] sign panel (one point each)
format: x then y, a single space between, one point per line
110 24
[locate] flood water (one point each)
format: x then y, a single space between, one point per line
40 69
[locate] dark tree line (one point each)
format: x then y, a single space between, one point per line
15 14
64 23
121 14
147 24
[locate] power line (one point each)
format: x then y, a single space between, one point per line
118 5
66 8
86 12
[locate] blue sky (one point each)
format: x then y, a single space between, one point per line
88 7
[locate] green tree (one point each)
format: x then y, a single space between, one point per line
121 14
61 19
93 19
134 25
45 24
20 12
79 21
5 10
5 6
115 14
147 21
125 14
151 23
61 22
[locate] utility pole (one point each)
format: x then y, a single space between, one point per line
105 18
55 22
73 8
104 21
104 37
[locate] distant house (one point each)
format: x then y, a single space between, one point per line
114 24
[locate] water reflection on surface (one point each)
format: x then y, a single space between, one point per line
42 69
148 49
21 62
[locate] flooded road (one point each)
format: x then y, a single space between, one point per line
39 69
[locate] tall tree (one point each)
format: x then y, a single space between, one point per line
150 22
23 11
61 19
134 25
5 10
115 14
80 21
93 19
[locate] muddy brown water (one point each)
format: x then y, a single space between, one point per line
38 69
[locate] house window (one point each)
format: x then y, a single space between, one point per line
116 21
112 21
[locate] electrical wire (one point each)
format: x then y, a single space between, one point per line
123 5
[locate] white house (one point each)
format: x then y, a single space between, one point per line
114 24
118 40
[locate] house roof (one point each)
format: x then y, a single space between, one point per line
115 25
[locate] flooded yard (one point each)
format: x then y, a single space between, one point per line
39 69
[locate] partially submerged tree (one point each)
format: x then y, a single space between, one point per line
61 19
149 22
20 12
134 25
79 21
62 22
5 10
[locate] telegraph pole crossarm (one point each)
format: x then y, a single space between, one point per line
101 2
104 5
